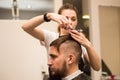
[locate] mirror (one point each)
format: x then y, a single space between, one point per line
110 39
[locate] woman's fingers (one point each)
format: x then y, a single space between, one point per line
62 20
78 36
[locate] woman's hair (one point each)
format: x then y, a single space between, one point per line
67 6
64 7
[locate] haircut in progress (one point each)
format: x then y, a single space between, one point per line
67 20
63 62
69 44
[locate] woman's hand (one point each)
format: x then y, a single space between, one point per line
80 37
57 18
60 19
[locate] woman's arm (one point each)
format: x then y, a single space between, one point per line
92 56
31 25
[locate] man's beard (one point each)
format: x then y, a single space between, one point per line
59 74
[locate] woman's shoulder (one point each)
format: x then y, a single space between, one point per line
49 36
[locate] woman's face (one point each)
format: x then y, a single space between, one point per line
72 20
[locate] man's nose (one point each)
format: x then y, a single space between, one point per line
49 62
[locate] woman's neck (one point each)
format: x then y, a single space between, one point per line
63 33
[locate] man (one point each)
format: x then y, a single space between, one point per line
65 53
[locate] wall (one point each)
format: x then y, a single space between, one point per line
21 56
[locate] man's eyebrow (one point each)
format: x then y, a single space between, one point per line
52 55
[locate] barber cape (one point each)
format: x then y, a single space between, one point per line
78 75
82 76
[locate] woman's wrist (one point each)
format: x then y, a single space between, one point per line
46 17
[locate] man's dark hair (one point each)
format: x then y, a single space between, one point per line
71 44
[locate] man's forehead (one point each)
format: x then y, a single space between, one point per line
52 48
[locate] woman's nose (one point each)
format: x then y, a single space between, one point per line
70 21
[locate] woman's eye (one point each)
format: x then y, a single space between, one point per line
73 19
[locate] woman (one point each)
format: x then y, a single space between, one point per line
67 21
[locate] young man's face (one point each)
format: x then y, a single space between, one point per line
57 63
72 19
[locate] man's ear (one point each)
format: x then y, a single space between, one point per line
71 58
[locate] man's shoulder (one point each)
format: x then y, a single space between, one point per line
82 76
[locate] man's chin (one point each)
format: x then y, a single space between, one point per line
52 73
55 76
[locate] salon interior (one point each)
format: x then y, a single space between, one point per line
22 57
